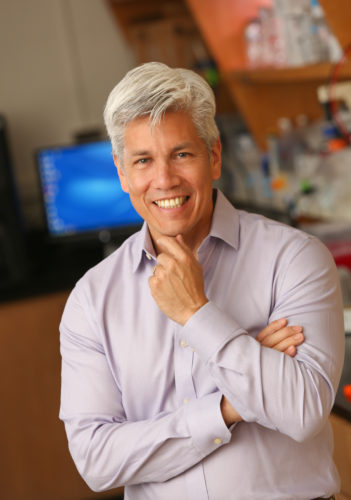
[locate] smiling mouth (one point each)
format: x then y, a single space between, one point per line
172 202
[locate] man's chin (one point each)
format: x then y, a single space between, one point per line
170 232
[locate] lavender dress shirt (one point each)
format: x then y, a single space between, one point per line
141 394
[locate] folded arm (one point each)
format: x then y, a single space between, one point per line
291 395
109 449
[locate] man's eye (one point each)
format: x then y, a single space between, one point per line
182 154
142 161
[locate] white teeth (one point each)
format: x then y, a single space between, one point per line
171 202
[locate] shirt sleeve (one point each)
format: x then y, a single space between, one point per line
291 395
108 449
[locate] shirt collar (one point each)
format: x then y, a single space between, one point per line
225 221
143 247
225 226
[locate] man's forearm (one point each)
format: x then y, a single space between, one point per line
110 451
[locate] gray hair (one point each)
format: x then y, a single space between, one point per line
154 88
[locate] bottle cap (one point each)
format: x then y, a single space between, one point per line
347 392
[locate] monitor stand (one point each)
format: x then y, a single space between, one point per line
108 245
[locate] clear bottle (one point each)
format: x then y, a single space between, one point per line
293 17
253 41
273 48
248 157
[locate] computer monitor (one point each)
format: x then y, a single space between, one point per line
81 192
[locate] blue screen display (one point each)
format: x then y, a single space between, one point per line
81 190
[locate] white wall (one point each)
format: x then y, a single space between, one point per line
58 61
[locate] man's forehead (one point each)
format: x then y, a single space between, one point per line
174 132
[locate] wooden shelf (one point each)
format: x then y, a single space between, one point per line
264 95
310 73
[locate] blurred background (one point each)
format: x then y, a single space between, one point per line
281 74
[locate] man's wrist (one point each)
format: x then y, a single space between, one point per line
229 414
189 313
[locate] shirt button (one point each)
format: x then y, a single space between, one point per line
217 441
148 256
186 401
183 343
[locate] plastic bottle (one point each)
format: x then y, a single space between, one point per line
319 32
249 158
273 48
293 18
253 40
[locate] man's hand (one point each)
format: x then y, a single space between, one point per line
177 283
281 337
277 335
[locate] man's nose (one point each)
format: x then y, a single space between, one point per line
165 176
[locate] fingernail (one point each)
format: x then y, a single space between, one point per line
297 329
298 336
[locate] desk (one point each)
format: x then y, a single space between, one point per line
35 463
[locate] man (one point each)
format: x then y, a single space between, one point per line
167 385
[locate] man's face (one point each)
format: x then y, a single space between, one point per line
168 174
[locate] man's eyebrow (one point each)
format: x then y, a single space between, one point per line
140 152
183 145
145 152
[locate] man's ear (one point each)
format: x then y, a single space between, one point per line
121 174
216 159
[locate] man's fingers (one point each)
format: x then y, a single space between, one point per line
271 328
165 260
171 265
292 334
290 351
292 341
180 240
277 335
185 247
174 247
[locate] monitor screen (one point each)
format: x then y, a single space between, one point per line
81 190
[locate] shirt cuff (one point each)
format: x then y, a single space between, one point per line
209 329
207 427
